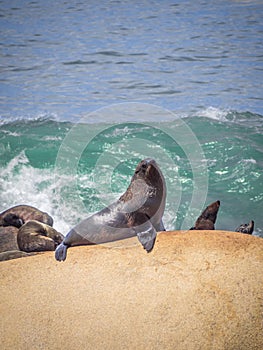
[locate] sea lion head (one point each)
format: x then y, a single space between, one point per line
246 228
149 171
210 213
11 219
146 193
207 218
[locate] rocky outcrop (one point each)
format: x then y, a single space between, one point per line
195 290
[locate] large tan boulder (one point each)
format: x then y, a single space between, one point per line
195 290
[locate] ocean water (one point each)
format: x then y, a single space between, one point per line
88 89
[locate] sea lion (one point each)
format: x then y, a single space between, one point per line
207 219
8 238
246 228
138 212
35 236
20 214
11 219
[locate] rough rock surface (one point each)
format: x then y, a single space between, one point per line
195 290
8 238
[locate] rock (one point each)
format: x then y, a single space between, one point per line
8 238
13 254
195 290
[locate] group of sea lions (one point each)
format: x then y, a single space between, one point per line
25 230
138 212
207 219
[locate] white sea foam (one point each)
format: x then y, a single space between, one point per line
214 113
52 138
20 183
29 118
251 160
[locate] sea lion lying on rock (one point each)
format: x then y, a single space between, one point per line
246 228
207 219
20 214
25 230
138 212
34 236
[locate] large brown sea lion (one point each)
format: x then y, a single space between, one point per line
20 214
138 212
207 219
34 236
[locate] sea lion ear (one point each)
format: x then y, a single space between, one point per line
147 236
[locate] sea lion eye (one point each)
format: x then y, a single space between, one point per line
142 167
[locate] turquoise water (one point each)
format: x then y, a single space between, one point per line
72 170
89 88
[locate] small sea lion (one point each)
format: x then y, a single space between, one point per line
246 228
20 214
8 238
207 219
138 212
34 236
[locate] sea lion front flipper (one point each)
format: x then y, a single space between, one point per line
61 252
147 237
